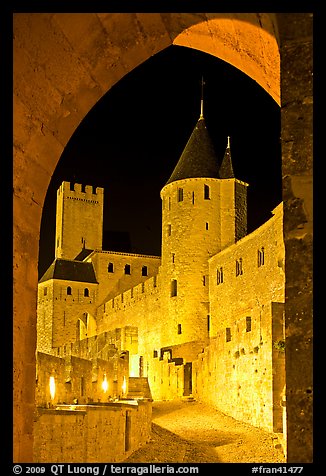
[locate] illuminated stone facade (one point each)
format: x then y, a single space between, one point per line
206 319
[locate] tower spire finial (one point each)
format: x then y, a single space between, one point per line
228 146
202 98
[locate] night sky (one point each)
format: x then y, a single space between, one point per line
131 140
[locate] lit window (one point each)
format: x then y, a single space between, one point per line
174 287
127 269
206 192
68 291
144 271
180 194
110 268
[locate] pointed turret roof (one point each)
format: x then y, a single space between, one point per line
198 160
226 169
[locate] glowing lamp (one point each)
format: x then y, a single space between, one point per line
52 387
124 386
105 384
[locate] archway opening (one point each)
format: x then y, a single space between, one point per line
131 140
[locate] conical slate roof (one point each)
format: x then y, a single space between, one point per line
198 160
226 169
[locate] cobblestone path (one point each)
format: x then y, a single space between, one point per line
192 432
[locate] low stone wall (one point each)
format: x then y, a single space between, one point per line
91 433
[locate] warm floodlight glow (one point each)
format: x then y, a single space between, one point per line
52 387
105 384
124 386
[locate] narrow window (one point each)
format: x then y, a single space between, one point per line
261 257
248 324
179 329
45 291
206 225
155 354
121 297
154 283
219 276
68 291
228 334
144 271
238 267
113 302
180 194
205 280
193 198
169 203
86 292
173 257
132 293
110 268
208 322
169 230
174 287
127 269
142 287
206 192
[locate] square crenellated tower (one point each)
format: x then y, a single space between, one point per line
79 219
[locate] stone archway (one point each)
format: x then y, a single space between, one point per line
64 63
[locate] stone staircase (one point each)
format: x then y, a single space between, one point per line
138 388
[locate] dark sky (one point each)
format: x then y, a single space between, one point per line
131 140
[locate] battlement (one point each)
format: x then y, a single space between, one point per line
70 188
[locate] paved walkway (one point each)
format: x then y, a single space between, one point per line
192 432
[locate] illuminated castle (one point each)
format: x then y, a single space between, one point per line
204 320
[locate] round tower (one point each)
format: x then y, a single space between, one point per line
204 210
190 235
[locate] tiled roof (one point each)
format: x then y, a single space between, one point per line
70 270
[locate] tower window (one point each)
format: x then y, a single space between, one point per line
261 257
205 280
110 268
174 287
219 276
208 322
248 324
179 329
173 257
155 354
45 291
69 291
142 287
127 269
169 230
206 225
238 267
193 198
206 192
180 194
144 271
86 292
228 334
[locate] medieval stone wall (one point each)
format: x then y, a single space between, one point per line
113 276
91 434
58 312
